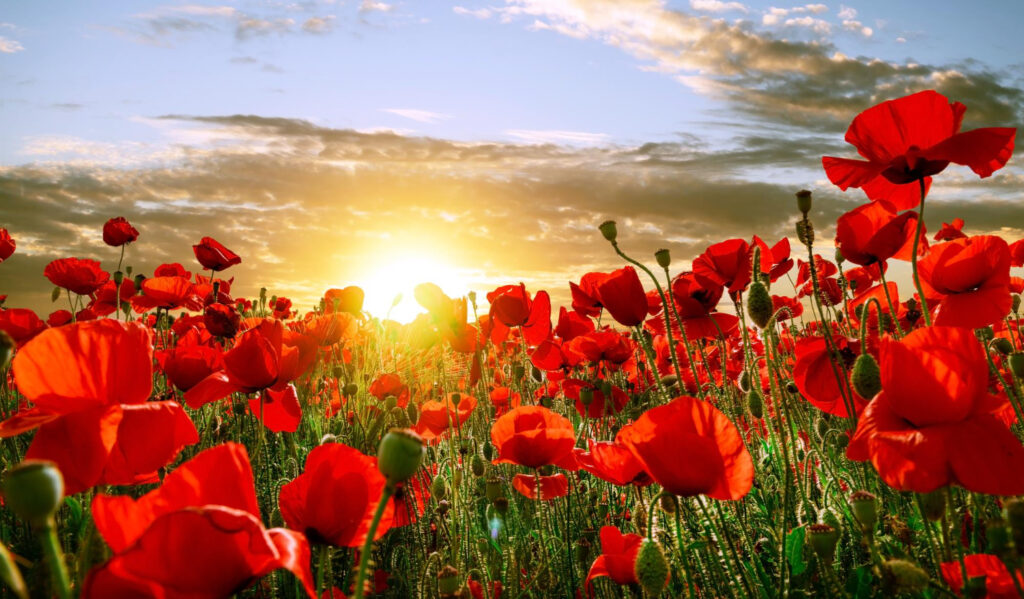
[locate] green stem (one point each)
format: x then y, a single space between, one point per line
55 558
913 257
364 556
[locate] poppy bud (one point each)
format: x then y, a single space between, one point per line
399 416
457 477
546 401
840 258
586 396
759 304
412 412
351 389
139 278
744 381
902 576
477 465
55 294
805 232
669 503
663 258
1002 345
669 381
33 490
997 537
823 539
803 201
867 381
791 387
651 568
822 427
865 509
840 441
536 374
7 346
328 438
447 581
390 402
1017 364
1015 516
755 403
609 230
488 451
118 278
933 504
439 488
399 454
1016 302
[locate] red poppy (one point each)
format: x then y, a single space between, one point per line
935 423
189 363
76 275
410 499
222 320
1017 253
912 138
585 299
7 245
572 324
172 270
511 306
349 299
612 462
213 255
118 231
169 293
823 376
623 296
861 278
436 417
477 590
533 436
695 300
599 405
950 231
605 345
109 299
59 318
875 232
208 505
334 499
793 307
971 278
717 463
775 261
281 308
89 384
390 383
618 556
727 264
998 583
21 324
259 361
504 399
544 488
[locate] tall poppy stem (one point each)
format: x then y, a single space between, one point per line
913 257
55 559
364 555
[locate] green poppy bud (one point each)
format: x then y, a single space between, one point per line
399 454
902 576
412 412
609 230
439 488
759 304
1002 345
586 396
803 201
390 402
755 403
55 294
33 490
477 465
933 504
1017 364
651 568
867 378
663 258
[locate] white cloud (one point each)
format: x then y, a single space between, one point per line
717 6
480 13
319 24
548 136
10 46
847 13
422 116
819 26
375 6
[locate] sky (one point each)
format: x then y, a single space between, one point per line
470 143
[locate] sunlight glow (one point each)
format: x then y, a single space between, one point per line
398 276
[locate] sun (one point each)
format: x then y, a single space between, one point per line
389 285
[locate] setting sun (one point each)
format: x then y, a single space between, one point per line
389 284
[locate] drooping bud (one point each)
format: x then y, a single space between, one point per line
823 539
902 576
609 230
399 454
755 403
55 294
669 503
803 201
651 568
412 412
744 381
586 396
33 490
1017 364
933 504
1015 303
759 304
867 378
864 506
663 257
1002 345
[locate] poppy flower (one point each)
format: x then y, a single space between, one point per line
512 306
410 499
169 293
436 417
222 320
875 232
89 384
213 255
59 318
612 462
477 590
971 278
504 399
109 298
775 261
998 582
349 299
695 300
172 270
618 557
954 230
934 423
717 462
727 264
259 361
823 377
334 499
533 436
187 364
76 275
21 324
207 505
585 299
912 138
7 245
605 345
118 231
599 405
1017 253
623 296
544 488
572 324
389 383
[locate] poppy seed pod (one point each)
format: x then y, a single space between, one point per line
399 454
823 539
33 490
651 568
448 581
759 304
933 504
864 506
867 381
609 230
803 201
663 257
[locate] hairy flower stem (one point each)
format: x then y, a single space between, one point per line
364 555
913 257
47 535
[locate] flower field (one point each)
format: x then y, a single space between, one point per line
771 423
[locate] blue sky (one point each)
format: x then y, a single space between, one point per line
639 110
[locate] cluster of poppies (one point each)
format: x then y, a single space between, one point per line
683 433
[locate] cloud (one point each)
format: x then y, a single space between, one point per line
498 212
480 13
319 25
375 6
546 136
9 46
421 116
717 6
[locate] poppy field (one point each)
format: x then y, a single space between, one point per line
770 422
